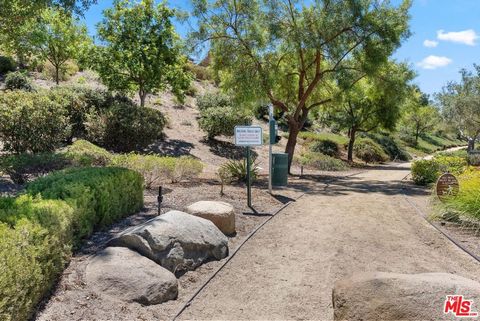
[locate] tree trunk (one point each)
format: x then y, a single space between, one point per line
471 144
416 138
351 142
57 75
293 130
143 96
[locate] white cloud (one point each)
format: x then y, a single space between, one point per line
430 43
467 37
434 62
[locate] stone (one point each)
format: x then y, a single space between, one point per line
219 213
176 240
128 276
391 296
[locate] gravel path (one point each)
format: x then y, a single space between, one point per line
353 224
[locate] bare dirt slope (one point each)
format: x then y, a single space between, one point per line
354 224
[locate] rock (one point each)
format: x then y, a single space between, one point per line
220 213
391 296
176 240
131 277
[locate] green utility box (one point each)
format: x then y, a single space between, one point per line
279 169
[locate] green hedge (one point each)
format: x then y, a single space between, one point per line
425 172
39 229
99 196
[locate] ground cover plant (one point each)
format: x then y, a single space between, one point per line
321 161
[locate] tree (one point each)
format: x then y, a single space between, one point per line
18 17
291 53
420 117
460 102
58 38
371 103
140 51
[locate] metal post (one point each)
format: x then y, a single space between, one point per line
249 180
270 118
159 199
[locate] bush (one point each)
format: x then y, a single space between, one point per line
369 151
261 112
200 72
467 202
99 196
321 162
23 167
390 146
156 170
66 71
84 153
451 164
79 102
213 100
125 126
325 146
18 81
7 64
425 172
222 121
37 233
35 243
236 170
31 122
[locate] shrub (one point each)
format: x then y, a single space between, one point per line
261 111
325 146
157 169
7 64
425 172
213 100
37 233
467 201
369 151
79 102
222 121
23 167
390 146
321 162
31 122
200 72
125 126
66 71
452 164
99 196
236 170
84 153
35 242
18 81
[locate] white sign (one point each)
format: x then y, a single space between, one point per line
248 136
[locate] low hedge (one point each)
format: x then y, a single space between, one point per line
99 196
35 243
425 172
39 229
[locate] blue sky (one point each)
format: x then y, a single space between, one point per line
446 38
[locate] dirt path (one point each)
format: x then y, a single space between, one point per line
354 224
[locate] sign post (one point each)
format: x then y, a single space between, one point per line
248 136
271 122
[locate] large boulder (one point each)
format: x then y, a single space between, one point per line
219 213
176 240
131 277
391 296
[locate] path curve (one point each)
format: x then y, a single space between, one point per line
355 224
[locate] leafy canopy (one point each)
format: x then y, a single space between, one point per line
298 56
460 102
59 37
140 50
